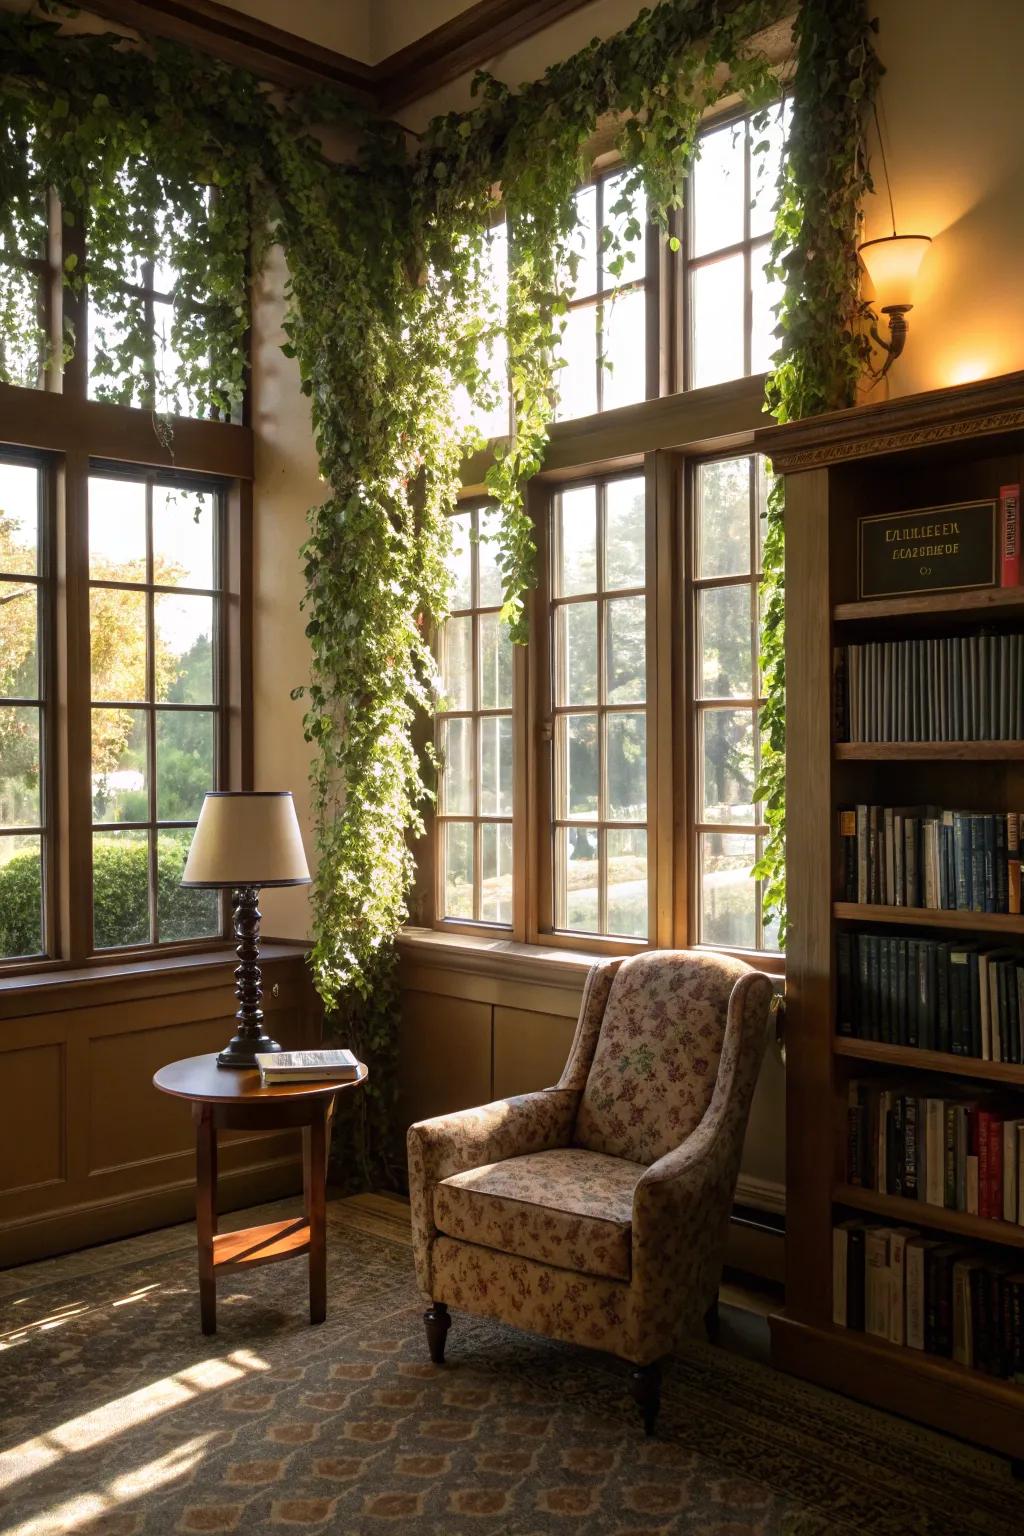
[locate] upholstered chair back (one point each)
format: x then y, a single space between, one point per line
649 1040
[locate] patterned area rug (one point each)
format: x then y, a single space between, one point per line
119 1419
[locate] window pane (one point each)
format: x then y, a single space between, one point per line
727 756
22 345
19 656
496 765
184 762
625 532
623 213
765 166
578 770
183 537
457 851
627 882
576 653
457 663
120 780
117 529
457 770
183 635
490 595
718 189
725 639
181 914
717 307
20 802
495 663
627 767
114 375
460 561
577 872
624 347
576 381
723 501
19 519
117 639
728 906
766 294
625 620
576 541
120 889
584 245
496 874
21 897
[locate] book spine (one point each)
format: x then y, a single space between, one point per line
1009 528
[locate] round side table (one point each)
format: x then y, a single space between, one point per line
225 1099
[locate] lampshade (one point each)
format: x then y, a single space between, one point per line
246 838
892 265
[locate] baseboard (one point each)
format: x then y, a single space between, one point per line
761 1194
101 1221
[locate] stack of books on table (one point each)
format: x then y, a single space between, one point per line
954 1149
943 1298
307 1067
956 688
923 856
934 994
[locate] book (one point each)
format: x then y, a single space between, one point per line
1009 535
307 1067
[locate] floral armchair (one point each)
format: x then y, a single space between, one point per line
596 1211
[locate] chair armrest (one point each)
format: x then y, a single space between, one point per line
531 1122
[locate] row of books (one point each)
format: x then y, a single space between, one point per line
930 1295
951 1149
957 688
922 856
932 994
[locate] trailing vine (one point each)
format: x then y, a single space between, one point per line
180 168
823 349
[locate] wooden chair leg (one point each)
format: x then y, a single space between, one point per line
646 1388
712 1322
1017 1468
437 1322
206 1212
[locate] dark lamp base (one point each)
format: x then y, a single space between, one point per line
241 1050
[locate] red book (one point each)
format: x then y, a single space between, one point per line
995 1168
1009 534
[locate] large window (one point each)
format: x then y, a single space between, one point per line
154 619
23 801
474 735
637 714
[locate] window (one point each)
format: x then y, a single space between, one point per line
474 734
632 731
603 351
154 619
728 497
730 297
599 718
24 274
22 726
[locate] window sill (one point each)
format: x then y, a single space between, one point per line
57 988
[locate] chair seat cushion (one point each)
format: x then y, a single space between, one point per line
567 1207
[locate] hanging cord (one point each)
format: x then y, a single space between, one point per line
885 166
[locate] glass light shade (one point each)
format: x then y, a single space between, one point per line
892 265
246 838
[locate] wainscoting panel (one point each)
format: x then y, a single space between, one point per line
32 1144
530 1049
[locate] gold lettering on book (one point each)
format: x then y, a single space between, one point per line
928 531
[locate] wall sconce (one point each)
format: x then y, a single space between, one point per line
892 263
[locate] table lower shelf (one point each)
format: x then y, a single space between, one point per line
261 1245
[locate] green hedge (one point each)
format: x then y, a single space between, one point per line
120 900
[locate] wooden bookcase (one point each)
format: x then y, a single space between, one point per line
929 450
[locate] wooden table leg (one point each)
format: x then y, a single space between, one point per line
206 1211
316 1211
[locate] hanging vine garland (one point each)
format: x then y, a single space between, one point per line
388 306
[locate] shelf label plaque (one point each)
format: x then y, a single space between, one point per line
934 549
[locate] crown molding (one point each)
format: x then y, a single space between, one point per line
462 44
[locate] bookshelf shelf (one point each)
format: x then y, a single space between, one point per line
930 917
916 1213
985 603
930 751
932 450
913 1059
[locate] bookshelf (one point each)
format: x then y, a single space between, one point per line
924 451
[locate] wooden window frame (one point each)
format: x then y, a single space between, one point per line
71 435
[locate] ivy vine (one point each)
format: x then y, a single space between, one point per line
182 170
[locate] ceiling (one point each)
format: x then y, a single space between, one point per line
368 30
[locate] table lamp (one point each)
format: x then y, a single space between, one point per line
246 839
